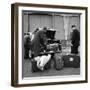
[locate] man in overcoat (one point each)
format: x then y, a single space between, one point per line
75 40
38 43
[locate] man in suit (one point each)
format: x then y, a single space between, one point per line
75 40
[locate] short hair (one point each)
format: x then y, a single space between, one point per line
45 28
37 29
73 26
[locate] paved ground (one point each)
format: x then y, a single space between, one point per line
51 72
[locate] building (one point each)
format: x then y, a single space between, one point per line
61 22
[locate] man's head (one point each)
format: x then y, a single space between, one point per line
45 29
37 29
73 27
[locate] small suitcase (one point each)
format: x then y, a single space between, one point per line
71 61
58 62
34 67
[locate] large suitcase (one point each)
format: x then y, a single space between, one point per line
34 67
58 61
71 61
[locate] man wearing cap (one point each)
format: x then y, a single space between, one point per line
75 40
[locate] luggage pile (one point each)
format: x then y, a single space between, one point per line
59 62
53 51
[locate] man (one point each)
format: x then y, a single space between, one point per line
26 46
75 40
39 41
28 37
32 34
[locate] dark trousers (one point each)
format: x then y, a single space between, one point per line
26 54
74 49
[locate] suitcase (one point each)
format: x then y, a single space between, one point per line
71 61
34 67
48 65
52 47
58 62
